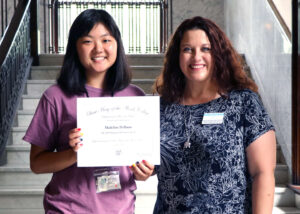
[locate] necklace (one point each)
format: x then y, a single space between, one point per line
189 129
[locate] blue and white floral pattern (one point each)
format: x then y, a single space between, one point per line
212 175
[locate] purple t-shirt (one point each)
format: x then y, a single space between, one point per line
73 190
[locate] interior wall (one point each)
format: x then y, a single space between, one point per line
181 10
255 31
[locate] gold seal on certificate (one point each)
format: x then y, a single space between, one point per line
118 131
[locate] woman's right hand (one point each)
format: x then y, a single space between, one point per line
75 139
142 170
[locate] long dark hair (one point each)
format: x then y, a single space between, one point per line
227 71
72 77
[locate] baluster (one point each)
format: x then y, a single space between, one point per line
125 26
130 7
46 41
120 18
85 5
156 25
77 8
133 35
6 14
61 26
113 10
51 28
96 4
138 27
68 24
103 5
2 19
148 28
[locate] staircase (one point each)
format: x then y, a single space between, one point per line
21 191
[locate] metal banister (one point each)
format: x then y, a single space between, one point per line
15 63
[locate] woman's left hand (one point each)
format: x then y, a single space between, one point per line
142 170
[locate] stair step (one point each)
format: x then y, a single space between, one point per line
24 117
32 196
20 176
49 72
148 187
279 155
281 174
144 204
17 155
285 210
284 197
20 152
37 87
29 102
133 59
138 71
27 197
21 191
17 133
22 211
145 59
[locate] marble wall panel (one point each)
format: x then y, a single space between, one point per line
255 31
211 9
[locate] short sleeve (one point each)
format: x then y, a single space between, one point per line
256 120
137 91
43 127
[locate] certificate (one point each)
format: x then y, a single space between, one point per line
118 131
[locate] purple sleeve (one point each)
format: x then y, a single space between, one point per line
137 91
42 129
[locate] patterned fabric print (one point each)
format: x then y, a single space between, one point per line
211 176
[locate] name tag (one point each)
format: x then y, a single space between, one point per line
107 180
213 118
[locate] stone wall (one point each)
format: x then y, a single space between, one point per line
183 9
254 30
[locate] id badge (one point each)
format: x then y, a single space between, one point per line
107 179
213 118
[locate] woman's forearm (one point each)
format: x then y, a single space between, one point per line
263 193
49 162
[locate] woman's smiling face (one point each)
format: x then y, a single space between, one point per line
97 50
195 57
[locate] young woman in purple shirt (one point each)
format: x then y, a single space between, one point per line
94 65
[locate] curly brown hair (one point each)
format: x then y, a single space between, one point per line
227 72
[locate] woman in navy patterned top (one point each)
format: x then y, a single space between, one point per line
218 150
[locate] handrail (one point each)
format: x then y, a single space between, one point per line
7 8
281 20
15 62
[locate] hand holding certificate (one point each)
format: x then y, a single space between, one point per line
118 131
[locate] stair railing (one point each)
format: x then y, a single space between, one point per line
280 19
7 8
15 62
143 23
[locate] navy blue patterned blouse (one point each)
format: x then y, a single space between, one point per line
210 176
